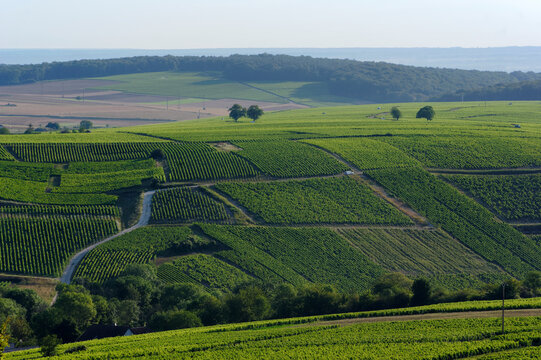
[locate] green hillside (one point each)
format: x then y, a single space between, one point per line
352 173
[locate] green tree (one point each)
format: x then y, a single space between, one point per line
76 306
421 292
4 337
49 345
236 112
426 112
52 126
85 124
4 130
175 319
254 112
396 113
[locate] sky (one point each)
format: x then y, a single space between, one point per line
197 24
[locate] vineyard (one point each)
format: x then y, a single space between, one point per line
516 197
462 218
287 159
92 210
137 247
429 253
313 254
200 161
338 200
435 339
471 152
4 154
42 246
366 153
186 205
203 269
26 171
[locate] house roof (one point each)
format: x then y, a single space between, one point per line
105 331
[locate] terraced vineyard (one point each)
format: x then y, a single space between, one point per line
341 200
95 210
186 205
513 197
42 246
288 159
4 154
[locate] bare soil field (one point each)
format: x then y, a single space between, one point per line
70 101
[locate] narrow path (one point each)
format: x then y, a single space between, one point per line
379 190
431 316
77 258
274 94
496 171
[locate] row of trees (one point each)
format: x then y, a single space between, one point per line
236 112
138 297
426 112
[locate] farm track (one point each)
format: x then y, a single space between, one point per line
77 258
499 171
273 93
379 191
431 316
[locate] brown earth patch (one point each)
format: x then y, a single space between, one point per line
225 146
44 287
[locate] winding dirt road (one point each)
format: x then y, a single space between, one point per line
77 258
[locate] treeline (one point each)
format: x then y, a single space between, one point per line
524 90
361 80
138 298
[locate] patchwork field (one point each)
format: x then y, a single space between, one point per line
336 195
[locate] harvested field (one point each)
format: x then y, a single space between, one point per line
70 101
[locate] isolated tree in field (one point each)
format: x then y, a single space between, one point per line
254 112
52 126
85 124
236 112
396 113
426 112
3 130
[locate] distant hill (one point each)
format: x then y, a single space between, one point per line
524 90
364 81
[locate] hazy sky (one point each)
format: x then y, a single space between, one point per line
169 24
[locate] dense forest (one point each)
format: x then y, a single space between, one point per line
369 81
524 90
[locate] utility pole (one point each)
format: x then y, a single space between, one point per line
503 308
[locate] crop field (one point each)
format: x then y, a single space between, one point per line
286 159
137 247
471 152
203 85
295 255
96 210
463 218
338 200
513 197
429 253
366 153
49 180
186 205
42 246
26 171
435 339
200 161
205 270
